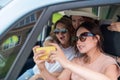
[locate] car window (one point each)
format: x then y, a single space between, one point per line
17 44
11 44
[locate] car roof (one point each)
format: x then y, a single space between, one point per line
17 8
53 6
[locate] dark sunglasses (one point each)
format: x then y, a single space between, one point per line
63 31
84 36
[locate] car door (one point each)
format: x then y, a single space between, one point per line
45 16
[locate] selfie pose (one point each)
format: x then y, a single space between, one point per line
62 35
93 64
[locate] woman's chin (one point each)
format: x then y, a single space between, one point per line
82 52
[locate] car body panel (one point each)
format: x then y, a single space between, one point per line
17 8
48 9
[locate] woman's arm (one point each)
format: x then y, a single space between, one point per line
83 71
47 76
44 72
41 64
65 75
37 76
111 72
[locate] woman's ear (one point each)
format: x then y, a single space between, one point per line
97 38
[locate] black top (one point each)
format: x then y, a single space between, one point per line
111 43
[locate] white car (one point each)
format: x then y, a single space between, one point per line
25 23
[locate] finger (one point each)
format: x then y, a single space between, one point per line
114 24
51 61
56 45
35 58
37 55
34 48
46 43
53 57
39 61
111 27
39 52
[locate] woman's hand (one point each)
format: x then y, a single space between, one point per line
114 27
58 55
37 55
36 77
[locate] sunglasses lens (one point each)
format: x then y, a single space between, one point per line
56 31
84 36
63 31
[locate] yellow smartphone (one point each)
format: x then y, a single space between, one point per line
47 49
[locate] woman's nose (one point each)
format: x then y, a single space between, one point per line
77 24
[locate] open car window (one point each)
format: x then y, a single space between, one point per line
31 29
13 41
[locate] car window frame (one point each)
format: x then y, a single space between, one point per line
17 5
45 16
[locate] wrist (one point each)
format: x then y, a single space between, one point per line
67 64
42 68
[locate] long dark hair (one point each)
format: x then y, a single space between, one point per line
68 25
95 29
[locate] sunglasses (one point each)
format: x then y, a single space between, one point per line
84 36
63 31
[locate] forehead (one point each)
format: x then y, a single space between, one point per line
81 30
76 17
60 25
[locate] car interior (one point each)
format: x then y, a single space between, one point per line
110 39
12 43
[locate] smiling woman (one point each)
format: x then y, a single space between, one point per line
28 19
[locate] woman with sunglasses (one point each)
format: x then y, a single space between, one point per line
62 35
93 64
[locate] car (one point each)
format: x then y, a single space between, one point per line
24 24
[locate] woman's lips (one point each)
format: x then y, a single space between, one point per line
62 38
81 47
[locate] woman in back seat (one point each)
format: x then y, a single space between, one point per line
111 34
62 34
94 64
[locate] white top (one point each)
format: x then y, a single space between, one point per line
56 67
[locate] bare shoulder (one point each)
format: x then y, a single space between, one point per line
113 67
112 71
